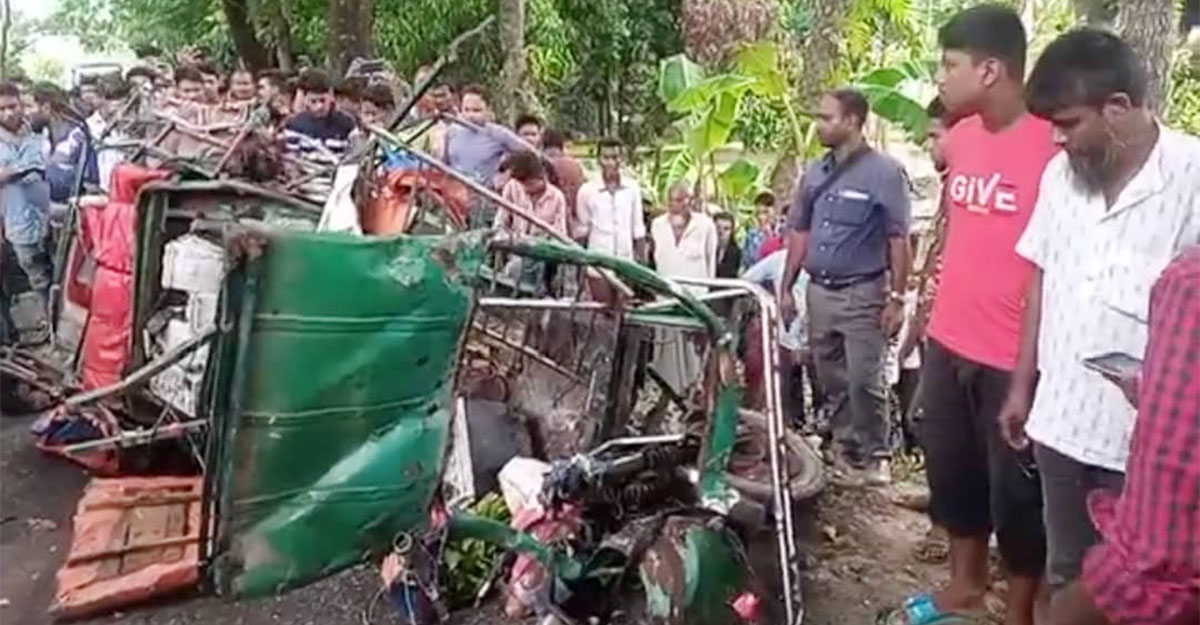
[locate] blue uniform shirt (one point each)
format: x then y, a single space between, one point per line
850 223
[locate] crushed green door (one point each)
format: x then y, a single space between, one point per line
332 396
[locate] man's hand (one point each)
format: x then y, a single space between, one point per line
893 317
787 306
390 569
1013 415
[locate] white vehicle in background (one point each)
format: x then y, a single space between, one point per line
94 70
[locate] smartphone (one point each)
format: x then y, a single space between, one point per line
1115 364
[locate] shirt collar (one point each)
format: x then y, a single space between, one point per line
620 182
1150 180
827 162
14 138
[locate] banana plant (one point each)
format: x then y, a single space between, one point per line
708 109
899 94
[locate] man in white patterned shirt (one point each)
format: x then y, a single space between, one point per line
1120 201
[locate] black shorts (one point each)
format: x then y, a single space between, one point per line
977 482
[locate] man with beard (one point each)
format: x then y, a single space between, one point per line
848 227
1115 207
24 203
66 139
994 158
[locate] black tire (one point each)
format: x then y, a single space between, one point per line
804 483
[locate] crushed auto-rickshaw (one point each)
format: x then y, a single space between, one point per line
271 386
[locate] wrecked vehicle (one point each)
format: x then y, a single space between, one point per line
319 399
266 402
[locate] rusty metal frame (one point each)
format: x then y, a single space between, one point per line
789 564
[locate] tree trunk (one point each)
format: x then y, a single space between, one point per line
1149 26
4 28
351 23
282 33
514 95
1029 16
241 30
820 50
1093 12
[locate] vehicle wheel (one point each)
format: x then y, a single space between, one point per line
807 471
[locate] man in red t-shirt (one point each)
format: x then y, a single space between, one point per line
994 156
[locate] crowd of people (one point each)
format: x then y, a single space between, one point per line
1064 199
1067 228
54 140
1071 224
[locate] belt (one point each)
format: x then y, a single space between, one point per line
837 283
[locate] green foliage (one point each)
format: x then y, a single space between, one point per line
677 75
617 46
762 127
707 106
710 105
412 33
167 24
900 94
591 62
739 181
877 29
1183 97
20 34
470 563
760 62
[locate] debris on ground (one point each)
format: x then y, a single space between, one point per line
41 525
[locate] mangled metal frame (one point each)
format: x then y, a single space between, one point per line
712 478
721 406
155 209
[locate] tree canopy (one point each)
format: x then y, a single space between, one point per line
595 68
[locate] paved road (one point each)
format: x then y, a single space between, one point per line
34 486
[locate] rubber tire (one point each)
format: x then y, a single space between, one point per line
806 484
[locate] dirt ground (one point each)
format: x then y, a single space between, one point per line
858 550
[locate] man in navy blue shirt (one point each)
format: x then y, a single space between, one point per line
319 132
849 229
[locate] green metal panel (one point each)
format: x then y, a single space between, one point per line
334 398
692 574
714 574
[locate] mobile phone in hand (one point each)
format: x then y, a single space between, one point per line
1114 364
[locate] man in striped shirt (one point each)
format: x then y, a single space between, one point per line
319 132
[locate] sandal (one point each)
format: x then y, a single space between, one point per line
921 610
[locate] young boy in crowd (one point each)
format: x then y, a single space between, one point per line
977 483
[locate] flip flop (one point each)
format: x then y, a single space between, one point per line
921 610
